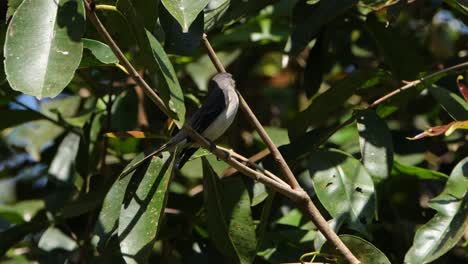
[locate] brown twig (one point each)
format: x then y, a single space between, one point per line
291 179
297 195
124 61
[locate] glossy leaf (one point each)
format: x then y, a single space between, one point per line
184 11
451 102
11 118
445 229
362 250
309 19
376 144
43 47
230 222
343 186
143 208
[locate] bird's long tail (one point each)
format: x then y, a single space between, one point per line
142 161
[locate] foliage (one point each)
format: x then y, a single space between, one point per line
73 118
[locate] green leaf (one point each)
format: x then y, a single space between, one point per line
445 229
43 46
309 19
12 6
456 106
420 173
142 209
62 166
376 144
107 222
343 186
101 54
185 11
328 102
278 135
54 239
292 218
156 61
362 249
177 41
458 5
11 118
230 222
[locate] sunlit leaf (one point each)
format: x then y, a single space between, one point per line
376 144
43 47
230 222
445 229
54 239
184 11
143 208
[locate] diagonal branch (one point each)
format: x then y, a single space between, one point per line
124 61
294 190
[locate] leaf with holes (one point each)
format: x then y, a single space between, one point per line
343 186
43 46
445 229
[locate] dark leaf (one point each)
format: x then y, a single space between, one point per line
11 118
452 103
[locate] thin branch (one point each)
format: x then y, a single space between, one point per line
258 126
59 123
296 195
124 61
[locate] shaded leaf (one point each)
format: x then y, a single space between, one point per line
184 11
376 144
445 229
177 41
11 118
309 19
458 5
343 186
142 209
43 46
452 103
420 173
101 54
230 222
366 252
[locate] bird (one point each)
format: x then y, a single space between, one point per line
211 120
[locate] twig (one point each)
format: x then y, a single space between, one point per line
291 179
297 195
64 125
124 61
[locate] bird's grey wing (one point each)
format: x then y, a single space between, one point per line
213 105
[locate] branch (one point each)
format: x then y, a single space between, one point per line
254 121
124 61
298 196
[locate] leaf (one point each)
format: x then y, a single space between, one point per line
177 41
458 5
43 46
155 59
343 186
107 221
215 11
62 166
362 250
175 97
376 144
462 87
143 208
133 134
439 130
455 106
12 6
12 118
184 11
309 20
101 54
445 229
230 222
54 239
279 136
315 65
328 102
420 173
